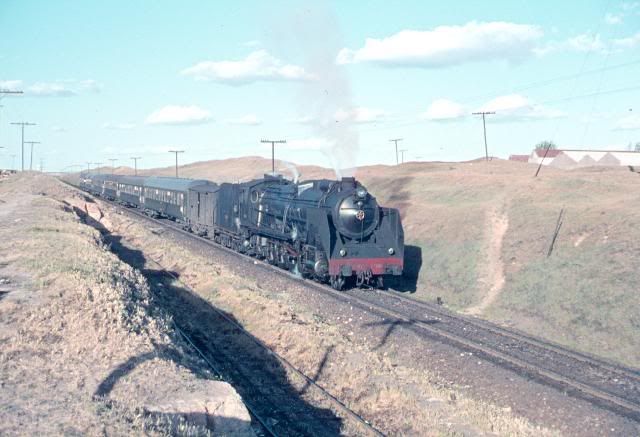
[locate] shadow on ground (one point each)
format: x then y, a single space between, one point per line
408 282
257 375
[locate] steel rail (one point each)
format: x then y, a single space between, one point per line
341 405
593 394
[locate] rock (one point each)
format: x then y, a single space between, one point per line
215 406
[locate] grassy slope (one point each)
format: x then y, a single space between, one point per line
584 295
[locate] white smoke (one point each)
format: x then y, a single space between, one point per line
317 38
295 174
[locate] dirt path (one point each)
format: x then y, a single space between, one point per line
493 275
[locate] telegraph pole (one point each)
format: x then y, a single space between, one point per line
273 152
112 161
23 124
484 127
88 167
31 156
135 164
402 155
396 141
176 152
41 165
97 164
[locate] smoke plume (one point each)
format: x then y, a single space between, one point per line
317 39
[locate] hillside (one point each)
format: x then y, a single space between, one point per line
84 340
478 235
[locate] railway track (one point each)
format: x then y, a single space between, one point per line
605 384
272 402
263 378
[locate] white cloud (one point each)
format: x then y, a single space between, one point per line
443 110
259 65
118 126
448 45
360 115
610 18
179 115
90 85
247 120
518 107
629 42
60 88
585 42
11 85
50 89
628 123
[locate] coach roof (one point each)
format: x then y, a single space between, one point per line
173 184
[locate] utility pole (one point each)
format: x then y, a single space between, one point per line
135 164
112 162
402 155
396 141
41 165
484 126
31 156
23 124
176 152
97 164
88 167
273 152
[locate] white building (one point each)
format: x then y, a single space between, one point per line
568 159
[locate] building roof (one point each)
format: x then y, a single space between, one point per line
521 158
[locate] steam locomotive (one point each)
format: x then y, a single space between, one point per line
332 231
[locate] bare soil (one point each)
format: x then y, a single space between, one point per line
83 349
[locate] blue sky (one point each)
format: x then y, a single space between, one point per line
337 79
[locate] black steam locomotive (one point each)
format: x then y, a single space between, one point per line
333 231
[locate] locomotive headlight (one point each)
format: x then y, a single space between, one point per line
361 193
343 252
391 251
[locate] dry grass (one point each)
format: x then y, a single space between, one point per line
583 296
73 316
373 382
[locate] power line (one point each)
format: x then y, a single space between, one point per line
273 153
552 80
396 141
31 155
135 164
23 124
176 152
484 128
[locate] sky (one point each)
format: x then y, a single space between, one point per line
337 80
